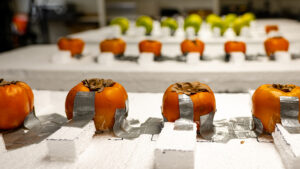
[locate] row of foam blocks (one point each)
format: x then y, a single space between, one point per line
107 58
176 143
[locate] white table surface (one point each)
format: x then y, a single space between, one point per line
32 65
106 151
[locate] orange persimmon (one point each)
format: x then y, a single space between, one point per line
74 45
270 28
109 96
275 44
116 46
16 102
192 46
266 103
235 46
152 46
201 95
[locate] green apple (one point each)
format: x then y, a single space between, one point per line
220 23
122 22
169 22
194 21
238 24
146 22
211 18
229 18
248 17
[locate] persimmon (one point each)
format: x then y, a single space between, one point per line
270 28
201 95
266 103
152 46
74 45
16 102
109 96
235 46
275 44
192 46
116 46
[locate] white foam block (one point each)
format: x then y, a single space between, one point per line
165 31
140 31
2 144
288 146
190 33
192 58
146 58
61 57
216 32
237 57
105 58
175 149
282 56
67 143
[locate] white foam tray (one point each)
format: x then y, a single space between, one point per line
106 151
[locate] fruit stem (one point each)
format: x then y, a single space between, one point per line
284 88
97 84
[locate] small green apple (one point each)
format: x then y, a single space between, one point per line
211 18
248 17
238 24
169 22
122 22
146 22
229 18
194 21
220 23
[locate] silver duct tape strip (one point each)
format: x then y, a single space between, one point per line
130 129
289 112
206 126
258 127
186 107
235 128
31 120
83 110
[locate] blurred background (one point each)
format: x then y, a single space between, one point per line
26 22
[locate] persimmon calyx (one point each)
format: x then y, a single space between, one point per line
97 84
284 88
189 88
4 83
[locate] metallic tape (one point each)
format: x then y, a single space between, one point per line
83 110
235 128
31 120
186 107
130 129
206 126
258 127
289 112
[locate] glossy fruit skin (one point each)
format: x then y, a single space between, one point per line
75 46
270 28
170 22
193 21
115 46
16 102
275 44
266 105
235 46
203 102
122 22
146 22
192 46
150 46
106 103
